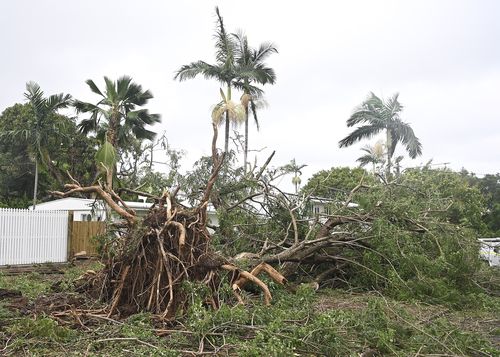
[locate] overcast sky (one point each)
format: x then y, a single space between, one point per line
443 57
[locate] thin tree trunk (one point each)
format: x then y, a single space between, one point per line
112 138
35 188
226 135
245 153
226 143
389 155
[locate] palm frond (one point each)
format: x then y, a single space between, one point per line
392 106
34 95
111 94
123 88
84 107
248 88
190 71
224 44
143 134
87 125
253 106
265 50
243 54
256 72
365 160
141 117
58 101
362 115
360 133
93 87
408 139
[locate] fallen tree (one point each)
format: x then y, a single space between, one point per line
148 262
407 236
414 237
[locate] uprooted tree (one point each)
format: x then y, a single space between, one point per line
152 257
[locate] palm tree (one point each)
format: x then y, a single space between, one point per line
115 118
297 172
251 61
379 115
226 69
45 123
374 154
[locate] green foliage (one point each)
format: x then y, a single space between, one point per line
305 323
138 326
489 185
423 238
106 157
74 153
117 116
295 325
336 183
30 285
43 328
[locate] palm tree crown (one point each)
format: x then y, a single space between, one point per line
252 61
123 121
118 107
43 109
44 123
228 69
378 115
374 154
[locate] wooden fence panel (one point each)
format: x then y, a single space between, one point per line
82 233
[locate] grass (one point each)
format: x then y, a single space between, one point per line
307 323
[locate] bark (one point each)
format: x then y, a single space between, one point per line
389 154
112 138
226 136
35 187
245 154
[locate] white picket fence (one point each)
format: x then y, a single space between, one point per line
28 237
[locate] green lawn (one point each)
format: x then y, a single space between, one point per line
305 323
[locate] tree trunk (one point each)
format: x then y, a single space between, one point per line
112 138
35 188
226 136
389 154
245 153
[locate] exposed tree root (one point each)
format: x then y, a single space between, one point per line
148 265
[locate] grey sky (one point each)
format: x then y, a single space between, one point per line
442 56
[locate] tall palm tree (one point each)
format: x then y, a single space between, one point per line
251 61
226 69
378 115
116 118
45 123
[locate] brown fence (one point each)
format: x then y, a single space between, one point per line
82 234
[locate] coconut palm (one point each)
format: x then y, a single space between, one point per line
226 69
251 61
378 115
45 123
116 117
